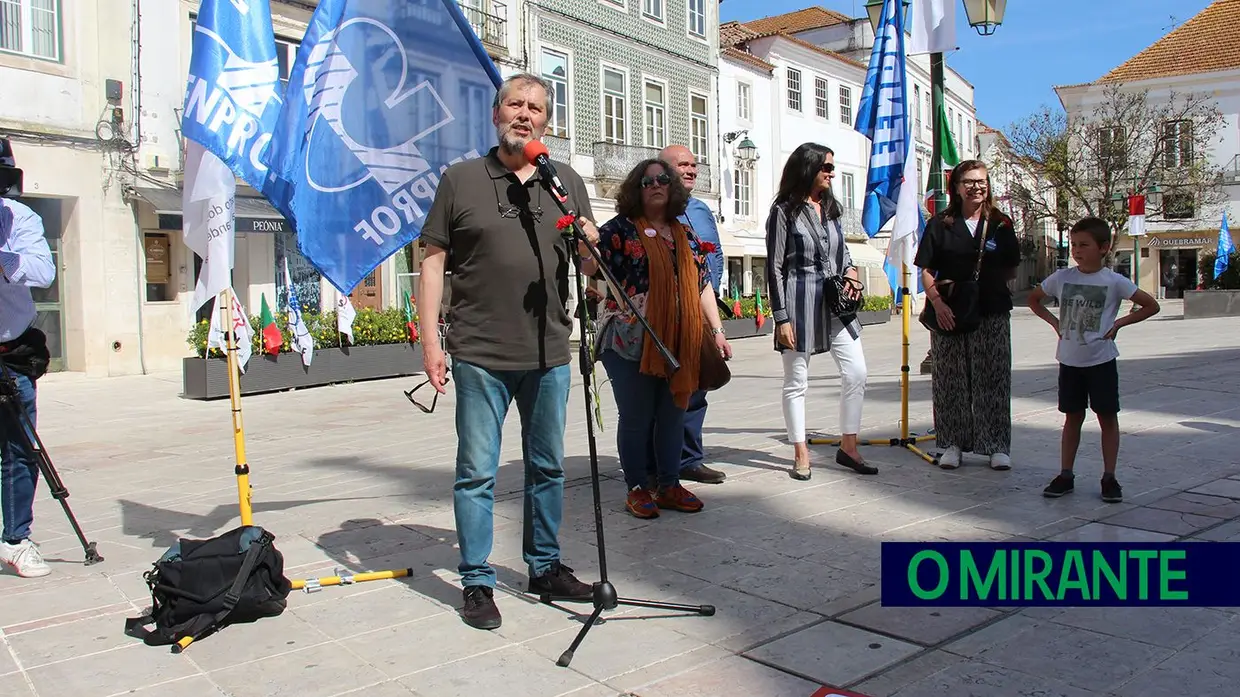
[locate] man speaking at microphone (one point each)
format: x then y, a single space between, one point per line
493 224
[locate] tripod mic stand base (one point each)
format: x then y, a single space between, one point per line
606 598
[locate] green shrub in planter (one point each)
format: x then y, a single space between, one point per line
370 328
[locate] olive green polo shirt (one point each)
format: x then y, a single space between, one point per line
510 266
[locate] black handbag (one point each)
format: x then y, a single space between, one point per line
963 297
838 287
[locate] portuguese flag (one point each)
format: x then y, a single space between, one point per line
736 303
412 325
272 339
759 318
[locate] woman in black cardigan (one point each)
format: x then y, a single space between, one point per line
972 381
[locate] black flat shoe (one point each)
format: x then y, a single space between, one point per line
844 459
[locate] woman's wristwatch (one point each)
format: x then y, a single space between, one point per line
715 331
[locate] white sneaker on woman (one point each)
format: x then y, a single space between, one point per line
1000 461
950 460
24 558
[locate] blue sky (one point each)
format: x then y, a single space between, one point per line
1042 43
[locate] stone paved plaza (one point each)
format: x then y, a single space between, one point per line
354 477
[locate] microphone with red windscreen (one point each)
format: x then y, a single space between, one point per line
537 155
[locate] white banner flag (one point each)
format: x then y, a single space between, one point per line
207 220
933 26
241 326
303 343
345 315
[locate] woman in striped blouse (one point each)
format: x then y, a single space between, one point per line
805 246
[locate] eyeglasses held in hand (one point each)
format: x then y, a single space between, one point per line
434 399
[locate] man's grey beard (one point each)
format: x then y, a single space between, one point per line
512 144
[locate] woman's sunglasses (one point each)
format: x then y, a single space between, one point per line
827 167
661 180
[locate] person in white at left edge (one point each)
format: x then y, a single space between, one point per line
25 263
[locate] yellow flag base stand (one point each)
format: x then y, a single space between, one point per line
242 470
905 440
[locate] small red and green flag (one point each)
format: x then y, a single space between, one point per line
272 339
409 321
737 312
759 318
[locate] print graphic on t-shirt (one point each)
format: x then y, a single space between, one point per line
1080 310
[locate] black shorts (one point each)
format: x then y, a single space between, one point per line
1095 387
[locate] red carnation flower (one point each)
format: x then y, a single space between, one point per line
565 222
707 247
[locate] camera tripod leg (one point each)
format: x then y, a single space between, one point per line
34 446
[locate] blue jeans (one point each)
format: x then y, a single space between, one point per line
19 473
482 400
647 421
691 454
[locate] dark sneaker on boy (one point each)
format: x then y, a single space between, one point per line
1063 484
480 611
1112 492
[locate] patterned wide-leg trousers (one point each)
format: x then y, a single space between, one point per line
972 385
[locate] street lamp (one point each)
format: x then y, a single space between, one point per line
985 15
875 10
747 151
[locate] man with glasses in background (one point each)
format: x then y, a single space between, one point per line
701 220
494 224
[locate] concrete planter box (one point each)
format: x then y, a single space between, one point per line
746 327
207 378
1211 303
874 317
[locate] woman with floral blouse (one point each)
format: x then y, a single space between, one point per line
660 265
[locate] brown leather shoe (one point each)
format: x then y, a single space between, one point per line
703 474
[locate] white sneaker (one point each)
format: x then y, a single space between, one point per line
24 558
1000 461
950 460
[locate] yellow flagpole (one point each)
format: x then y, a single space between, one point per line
234 394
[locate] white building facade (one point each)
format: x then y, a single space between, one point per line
1038 236
798 77
1166 257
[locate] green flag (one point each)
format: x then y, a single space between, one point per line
947 144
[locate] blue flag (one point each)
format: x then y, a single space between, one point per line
232 97
883 118
383 97
1225 249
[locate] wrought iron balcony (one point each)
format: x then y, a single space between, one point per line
490 22
614 161
1231 171
559 148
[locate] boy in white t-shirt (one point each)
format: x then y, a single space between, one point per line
1089 298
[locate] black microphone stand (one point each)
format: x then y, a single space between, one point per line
21 422
605 596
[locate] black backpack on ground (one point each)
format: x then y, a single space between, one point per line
200 586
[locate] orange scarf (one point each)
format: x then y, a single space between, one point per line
681 332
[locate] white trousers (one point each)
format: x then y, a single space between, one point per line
850 360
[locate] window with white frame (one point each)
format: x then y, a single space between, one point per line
917 106
653 9
697 18
554 69
698 123
31 28
286 55
744 100
743 193
846 186
794 89
656 114
615 103
845 104
1178 143
820 97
